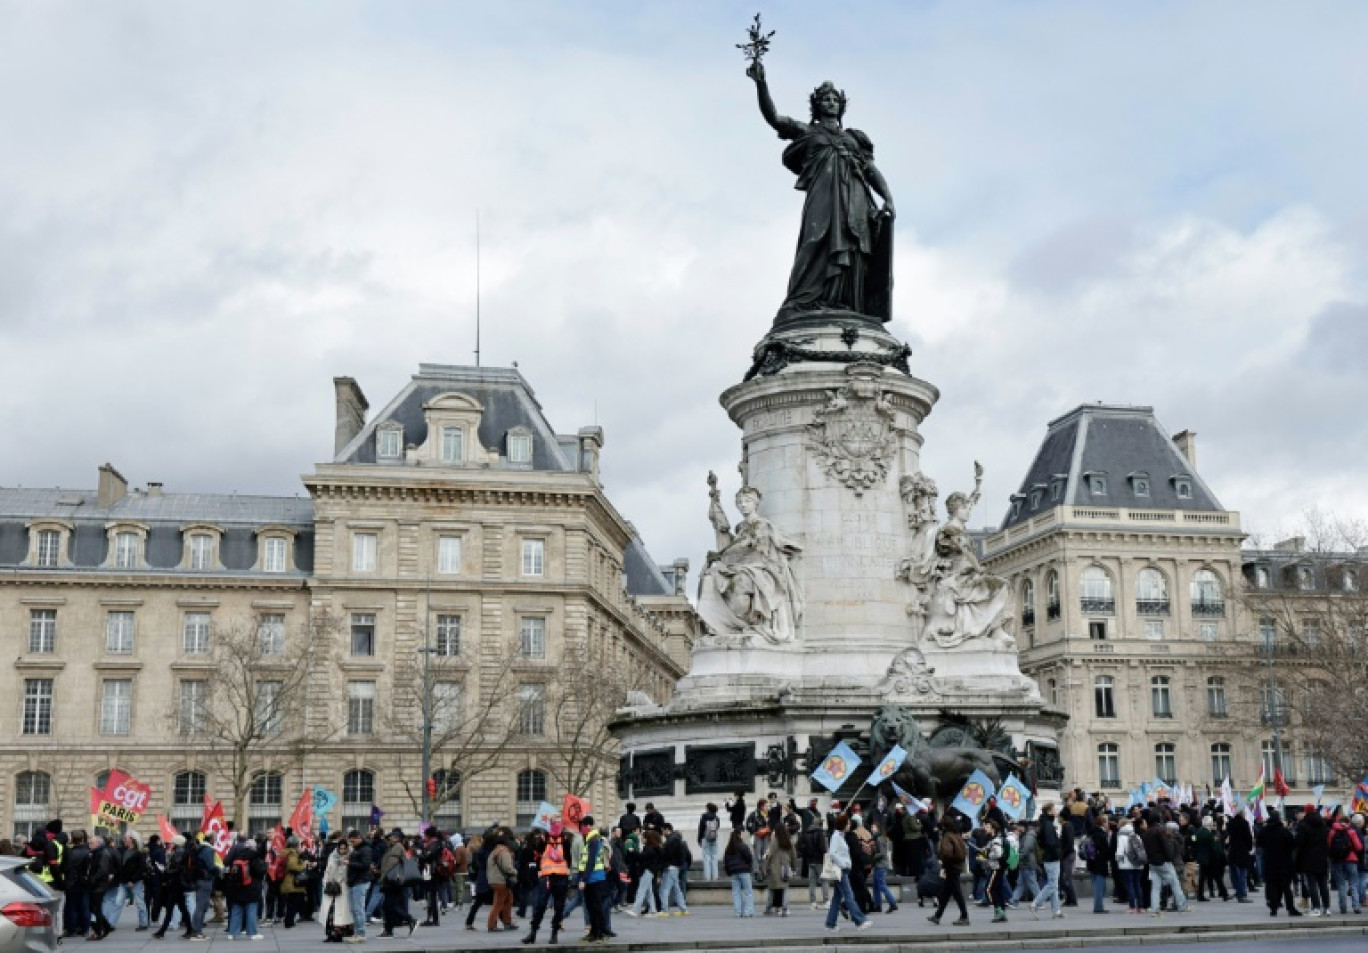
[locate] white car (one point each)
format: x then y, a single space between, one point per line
28 909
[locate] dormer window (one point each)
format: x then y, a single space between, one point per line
1304 578
201 551
1056 490
1261 577
1182 487
453 444
49 548
1140 484
126 541
1017 500
389 443
1348 581
48 540
275 546
1097 483
519 447
1036 496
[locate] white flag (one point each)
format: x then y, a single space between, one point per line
1227 798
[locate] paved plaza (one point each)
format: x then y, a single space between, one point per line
715 928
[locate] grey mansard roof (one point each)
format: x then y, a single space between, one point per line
1118 443
239 517
508 404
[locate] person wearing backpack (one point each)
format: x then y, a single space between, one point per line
952 853
1131 859
709 833
1096 852
242 873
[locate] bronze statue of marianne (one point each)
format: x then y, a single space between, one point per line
845 246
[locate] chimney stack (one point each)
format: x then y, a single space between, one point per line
1187 446
590 443
351 411
112 487
154 489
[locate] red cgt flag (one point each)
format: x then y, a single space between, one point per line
168 830
573 811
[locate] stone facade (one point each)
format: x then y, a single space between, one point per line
1131 587
455 520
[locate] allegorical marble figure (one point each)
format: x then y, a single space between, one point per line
954 600
748 586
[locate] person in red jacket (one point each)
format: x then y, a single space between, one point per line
1345 847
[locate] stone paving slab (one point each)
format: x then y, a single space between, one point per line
715 929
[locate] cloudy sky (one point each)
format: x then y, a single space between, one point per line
208 210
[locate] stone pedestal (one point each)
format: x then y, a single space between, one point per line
830 421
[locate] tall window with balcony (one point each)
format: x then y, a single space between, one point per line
1027 603
1052 595
1109 765
1270 756
1273 705
1166 763
1161 698
1208 598
1220 763
1104 702
1318 768
42 631
1268 634
1097 597
1151 593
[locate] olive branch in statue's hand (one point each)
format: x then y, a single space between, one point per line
755 48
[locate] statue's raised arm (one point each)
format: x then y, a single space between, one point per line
756 71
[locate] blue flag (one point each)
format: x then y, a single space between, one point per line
376 814
1013 797
836 767
974 795
891 762
1136 798
909 800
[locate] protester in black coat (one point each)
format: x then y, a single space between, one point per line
1278 845
1313 857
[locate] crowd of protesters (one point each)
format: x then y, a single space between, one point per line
1156 858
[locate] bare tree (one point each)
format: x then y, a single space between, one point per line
587 693
471 710
252 697
1309 655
